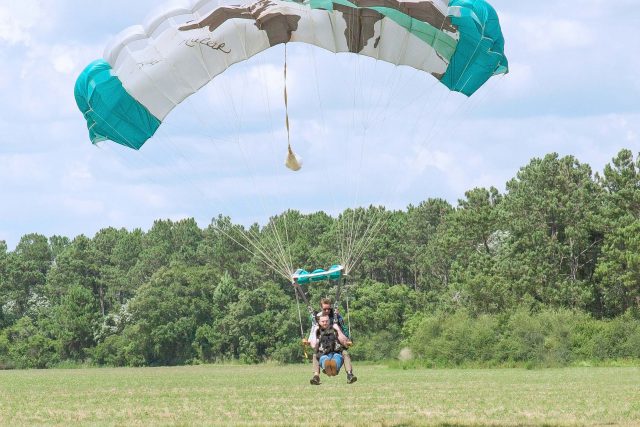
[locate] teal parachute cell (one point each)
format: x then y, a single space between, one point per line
480 51
111 113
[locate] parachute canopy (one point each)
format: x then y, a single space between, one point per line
148 69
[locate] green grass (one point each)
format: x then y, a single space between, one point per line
281 395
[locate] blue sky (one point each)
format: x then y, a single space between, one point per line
368 132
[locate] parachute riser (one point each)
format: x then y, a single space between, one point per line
343 283
300 293
342 286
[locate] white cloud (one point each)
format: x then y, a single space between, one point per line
23 170
78 177
18 19
119 218
81 207
544 34
64 62
5 76
47 77
425 158
518 81
419 142
148 196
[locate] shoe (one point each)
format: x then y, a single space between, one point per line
330 368
315 380
351 378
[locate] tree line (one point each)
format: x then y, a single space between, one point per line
546 272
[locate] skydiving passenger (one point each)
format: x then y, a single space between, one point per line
336 319
329 344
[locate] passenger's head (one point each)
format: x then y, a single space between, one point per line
323 321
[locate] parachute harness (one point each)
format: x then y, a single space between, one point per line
300 294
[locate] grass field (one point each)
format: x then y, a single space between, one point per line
280 395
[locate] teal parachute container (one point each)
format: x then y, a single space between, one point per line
111 113
480 51
303 277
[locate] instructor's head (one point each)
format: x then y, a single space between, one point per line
325 305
